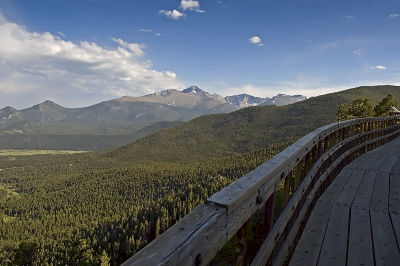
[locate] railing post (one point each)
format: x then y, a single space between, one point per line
308 163
269 214
299 174
319 152
326 144
286 189
241 245
314 154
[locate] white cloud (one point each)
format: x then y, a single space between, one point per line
36 66
157 34
380 67
145 30
349 17
186 5
135 48
191 5
357 52
256 40
170 74
394 15
172 14
62 34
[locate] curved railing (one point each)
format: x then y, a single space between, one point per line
297 177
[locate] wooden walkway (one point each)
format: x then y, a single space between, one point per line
356 221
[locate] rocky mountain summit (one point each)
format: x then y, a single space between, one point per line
246 100
127 114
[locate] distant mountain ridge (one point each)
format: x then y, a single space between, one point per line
192 97
49 125
131 113
246 100
127 113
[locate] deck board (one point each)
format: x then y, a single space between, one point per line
384 240
307 252
394 193
360 240
356 221
333 250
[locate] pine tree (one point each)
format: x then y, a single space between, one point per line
104 259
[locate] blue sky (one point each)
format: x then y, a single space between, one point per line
81 52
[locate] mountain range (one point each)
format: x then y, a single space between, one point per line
246 130
246 100
127 117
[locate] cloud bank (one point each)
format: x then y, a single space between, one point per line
36 66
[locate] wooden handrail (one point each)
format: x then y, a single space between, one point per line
310 164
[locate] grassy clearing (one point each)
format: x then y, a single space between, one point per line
16 152
8 192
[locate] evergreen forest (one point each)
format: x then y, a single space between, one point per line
99 208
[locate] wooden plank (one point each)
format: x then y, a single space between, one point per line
199 235
380 195
349 191
384 241
331 193
242 243
309 245
281 255
234 194
237 192
308 248
334 246
360 250
364 194
396 167
394 193
395 218
268 244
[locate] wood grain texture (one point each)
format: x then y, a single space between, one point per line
183 242
348 223
309 246
385 246
334 246
360 251
394 193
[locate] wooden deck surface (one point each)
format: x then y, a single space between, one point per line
356 221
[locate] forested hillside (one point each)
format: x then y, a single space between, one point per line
93 208
70 210
88 142
246 130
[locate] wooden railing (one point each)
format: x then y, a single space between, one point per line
297 177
